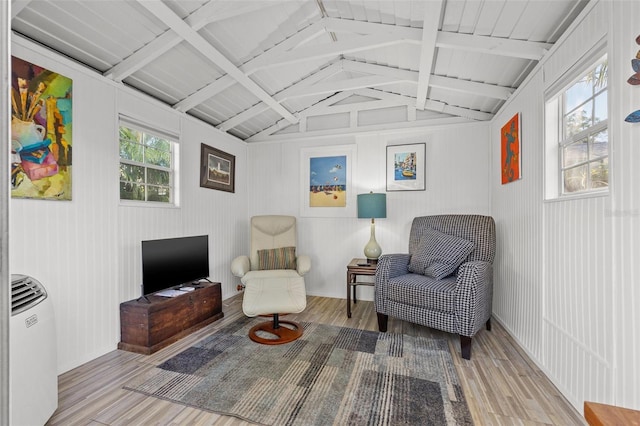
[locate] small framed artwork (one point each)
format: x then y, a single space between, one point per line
326 181
406 167
510 150
217 169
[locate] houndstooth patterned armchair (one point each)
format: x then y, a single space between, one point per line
458 303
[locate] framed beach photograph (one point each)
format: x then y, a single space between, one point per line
217 169
510 150
326 181
406 167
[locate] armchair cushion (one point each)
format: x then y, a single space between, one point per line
438 295
438 254
277 258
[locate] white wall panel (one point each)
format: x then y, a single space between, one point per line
70 246
457 170
87 251
517 209
202 211
625 211
567 294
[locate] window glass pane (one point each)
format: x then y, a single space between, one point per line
600 76
157 157
575 179
131 191
601 111
158 177
131 150
131 173
578 120
142 182
599 145
130 134
578 93
157 142
575 153
600 173
159 193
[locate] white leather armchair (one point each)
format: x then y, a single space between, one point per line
272 275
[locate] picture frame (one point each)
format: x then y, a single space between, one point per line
217 169
326 181
406 167
510 158
41 132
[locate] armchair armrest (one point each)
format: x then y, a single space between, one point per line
240 266
303 264
389 266
474 294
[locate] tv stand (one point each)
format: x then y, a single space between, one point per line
146 326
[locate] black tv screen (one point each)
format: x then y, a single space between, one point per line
174 261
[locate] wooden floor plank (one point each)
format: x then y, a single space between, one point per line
501 384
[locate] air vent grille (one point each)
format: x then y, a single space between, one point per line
26 292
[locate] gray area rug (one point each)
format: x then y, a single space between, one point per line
331 375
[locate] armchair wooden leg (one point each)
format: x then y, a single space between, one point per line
382 322
489 324
465 346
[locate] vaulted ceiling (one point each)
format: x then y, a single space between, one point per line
264 69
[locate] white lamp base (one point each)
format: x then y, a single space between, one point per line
372 250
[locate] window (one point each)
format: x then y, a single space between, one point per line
578 117
147 165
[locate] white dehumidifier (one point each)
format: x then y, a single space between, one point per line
33 369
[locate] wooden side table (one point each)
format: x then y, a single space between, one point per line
354 268
602 414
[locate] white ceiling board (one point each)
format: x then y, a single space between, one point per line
223 61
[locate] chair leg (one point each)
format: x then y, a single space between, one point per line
382 322
465 346
489 324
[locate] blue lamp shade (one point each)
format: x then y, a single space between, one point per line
372 206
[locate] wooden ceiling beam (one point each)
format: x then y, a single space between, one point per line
334 49
280 97
493 45
173 21
380 35
249 67
430 25
199 19
17 6
449 83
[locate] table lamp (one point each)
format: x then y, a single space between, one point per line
372 206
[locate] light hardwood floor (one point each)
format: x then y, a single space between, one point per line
501 384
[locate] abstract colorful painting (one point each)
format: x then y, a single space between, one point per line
41 132
328 181
510 150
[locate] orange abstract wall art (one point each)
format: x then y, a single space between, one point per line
510 150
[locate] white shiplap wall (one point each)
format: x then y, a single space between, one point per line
624 27
457 170
87 251
566 279
70 246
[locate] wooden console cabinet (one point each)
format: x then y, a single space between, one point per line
148 326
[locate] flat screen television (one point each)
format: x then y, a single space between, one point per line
171 262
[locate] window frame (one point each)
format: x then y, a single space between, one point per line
173 171
555 129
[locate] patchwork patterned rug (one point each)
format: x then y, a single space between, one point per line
331 375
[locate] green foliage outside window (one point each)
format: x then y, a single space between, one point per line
146 169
